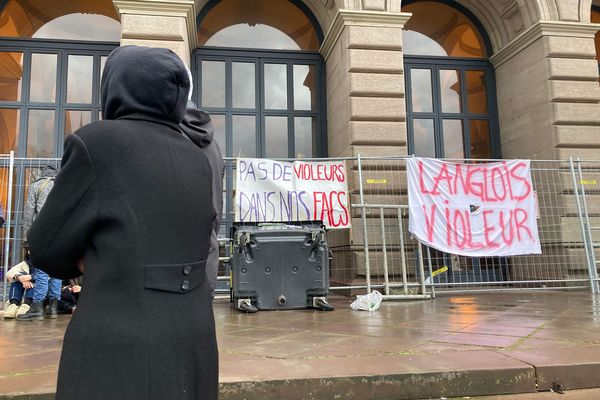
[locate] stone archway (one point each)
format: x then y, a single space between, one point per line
584 9
323 11
25 18
504 21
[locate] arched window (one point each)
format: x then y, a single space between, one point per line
451 109
51 58
260 76
51 55
450 103
61 19
258 24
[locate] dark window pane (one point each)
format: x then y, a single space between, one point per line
213 84
305 136
67 20
102 63
9 130
219 125
276 137
40 133
43 78
436 29
78 26
79 79
476 92
423 134
421 94
453 138
480 139
75 119
275 86
244 85
11 75
450 90
244 136
266 24
305 83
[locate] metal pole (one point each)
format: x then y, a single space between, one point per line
402 254
581 223
364 225
430 273
593 271
422 269
406 297
7 226
467 284
384 249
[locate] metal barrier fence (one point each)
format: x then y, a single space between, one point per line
16 174
378 252
563 224
586 185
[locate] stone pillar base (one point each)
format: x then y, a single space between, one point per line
154 23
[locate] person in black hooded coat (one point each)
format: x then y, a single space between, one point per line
198 126
144 326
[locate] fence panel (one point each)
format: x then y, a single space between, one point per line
587 190
5 231
563 261
15 178
568 196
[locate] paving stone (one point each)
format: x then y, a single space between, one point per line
576 367
450 346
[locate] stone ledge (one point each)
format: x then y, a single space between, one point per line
537 31
179 8
574 368
148 27
404 376
360 18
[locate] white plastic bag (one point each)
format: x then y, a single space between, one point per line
367 302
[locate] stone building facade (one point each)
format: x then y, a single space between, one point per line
544 57
505 78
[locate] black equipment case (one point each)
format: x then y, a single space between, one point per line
279 266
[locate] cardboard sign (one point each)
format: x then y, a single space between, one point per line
475 210
275 191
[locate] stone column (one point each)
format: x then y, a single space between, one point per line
366 114
159 23
548 92
549 108
365 83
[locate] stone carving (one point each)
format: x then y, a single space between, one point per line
511 13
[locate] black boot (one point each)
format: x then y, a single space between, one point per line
35 313
52 311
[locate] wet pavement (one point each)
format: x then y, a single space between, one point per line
583 394
461 345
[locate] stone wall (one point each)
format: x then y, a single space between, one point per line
166 23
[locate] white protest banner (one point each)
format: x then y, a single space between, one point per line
478 210
275 191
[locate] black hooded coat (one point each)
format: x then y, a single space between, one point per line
198 126
144 326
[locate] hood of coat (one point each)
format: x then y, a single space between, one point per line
197 125
47 171
144 83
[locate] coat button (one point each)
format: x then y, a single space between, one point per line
185 285
187 270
